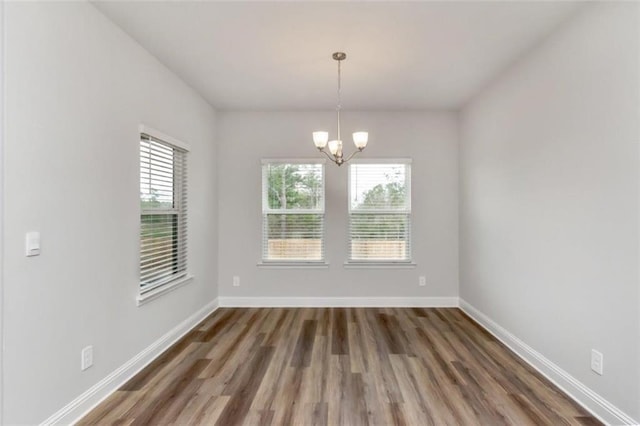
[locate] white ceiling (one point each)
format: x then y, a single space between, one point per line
277 55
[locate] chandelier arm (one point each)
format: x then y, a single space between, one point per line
327 154
353 153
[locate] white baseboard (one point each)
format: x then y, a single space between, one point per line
339 302
79 407
590 400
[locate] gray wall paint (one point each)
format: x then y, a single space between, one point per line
430 139
549 192
549 200
76 89
2 131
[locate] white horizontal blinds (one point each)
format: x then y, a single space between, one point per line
163 218
292 211
380 212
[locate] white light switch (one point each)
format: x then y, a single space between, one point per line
33 243
597 361
86 356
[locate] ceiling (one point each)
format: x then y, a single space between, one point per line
277 55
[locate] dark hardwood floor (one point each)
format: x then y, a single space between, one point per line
338 366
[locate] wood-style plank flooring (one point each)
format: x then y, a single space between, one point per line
338 366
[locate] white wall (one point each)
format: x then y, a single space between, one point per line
76 90
430 139
549 200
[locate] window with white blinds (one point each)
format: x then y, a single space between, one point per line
292 211
380 212
163 213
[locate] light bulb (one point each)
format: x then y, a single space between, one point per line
320 139
334 146
360 139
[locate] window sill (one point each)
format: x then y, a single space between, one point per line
379 265
157 292
293 265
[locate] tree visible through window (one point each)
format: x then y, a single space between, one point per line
380 212
293 211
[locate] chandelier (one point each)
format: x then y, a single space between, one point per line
321 138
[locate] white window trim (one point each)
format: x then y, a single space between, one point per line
156 292
148 294
293 264
379 264
164 137
302 263
382 263
381 160
293 161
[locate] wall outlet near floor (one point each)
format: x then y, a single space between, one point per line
236 281
86 358
422 281
597 361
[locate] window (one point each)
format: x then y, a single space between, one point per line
292 211
380 212
163 214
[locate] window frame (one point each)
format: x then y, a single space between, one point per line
381 263
151 291
265 210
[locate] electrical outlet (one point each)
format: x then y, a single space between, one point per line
422 281
597 362
236 281
86 358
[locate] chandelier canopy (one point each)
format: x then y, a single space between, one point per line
321 138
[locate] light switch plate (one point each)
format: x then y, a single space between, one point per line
33 243
86 358
597 362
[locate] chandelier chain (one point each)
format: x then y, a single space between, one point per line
339 107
